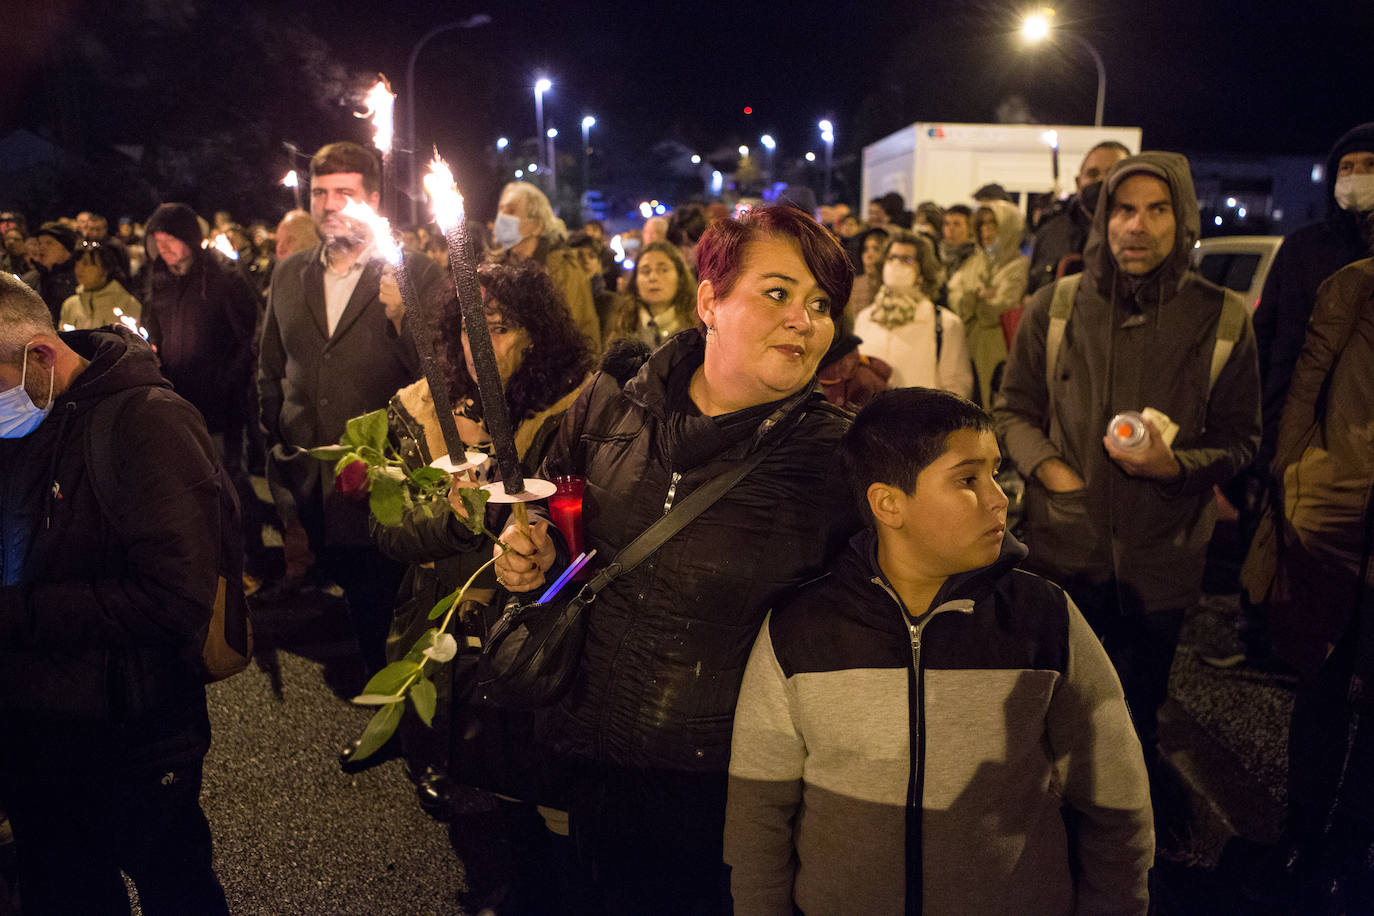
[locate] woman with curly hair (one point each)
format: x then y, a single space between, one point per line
543 361
662 297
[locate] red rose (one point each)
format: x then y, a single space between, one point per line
351 482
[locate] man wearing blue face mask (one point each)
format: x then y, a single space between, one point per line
526 229
102 617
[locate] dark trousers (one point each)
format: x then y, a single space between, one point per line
650 841
370 581
76 833
1141 647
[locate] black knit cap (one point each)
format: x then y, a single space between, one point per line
178 221
60 234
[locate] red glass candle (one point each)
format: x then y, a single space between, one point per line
565 510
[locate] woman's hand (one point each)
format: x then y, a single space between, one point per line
523 570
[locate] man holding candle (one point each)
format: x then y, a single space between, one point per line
333 347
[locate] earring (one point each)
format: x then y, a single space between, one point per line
710 330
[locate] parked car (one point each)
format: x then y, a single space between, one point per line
1238 262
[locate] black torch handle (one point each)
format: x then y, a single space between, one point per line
494 411
420 325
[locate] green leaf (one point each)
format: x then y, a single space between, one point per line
385 500
367 430
424 696
329 452
347 459
379 728
475 502
442 607
428 477
391 679
377 699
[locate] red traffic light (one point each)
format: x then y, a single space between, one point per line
748 109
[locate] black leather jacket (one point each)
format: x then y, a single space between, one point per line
667 643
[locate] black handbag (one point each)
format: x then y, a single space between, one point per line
530 657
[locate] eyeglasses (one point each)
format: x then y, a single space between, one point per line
908 259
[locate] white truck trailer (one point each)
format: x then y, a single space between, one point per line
946 163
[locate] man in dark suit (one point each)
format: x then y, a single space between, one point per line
334 346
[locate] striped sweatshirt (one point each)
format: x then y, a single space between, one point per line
977 758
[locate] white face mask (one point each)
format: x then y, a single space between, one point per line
1355 193
19 416
506 230
897 275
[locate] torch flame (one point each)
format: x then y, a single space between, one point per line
618 247
380 104
380 227
225 247
448 203
291 180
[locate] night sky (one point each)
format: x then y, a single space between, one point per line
1209 76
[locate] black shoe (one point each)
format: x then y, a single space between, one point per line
389 751
437 794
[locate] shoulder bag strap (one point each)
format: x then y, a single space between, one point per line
657 534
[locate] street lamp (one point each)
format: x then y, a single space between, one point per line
828 137
471 22
769 145
552 134
501 144
588 123
1038 27
541 86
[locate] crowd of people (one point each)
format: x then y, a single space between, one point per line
847 684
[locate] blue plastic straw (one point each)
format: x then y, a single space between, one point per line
573 569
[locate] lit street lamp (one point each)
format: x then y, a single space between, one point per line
541 86
588 123
501 144
1038 27
828 136
769 144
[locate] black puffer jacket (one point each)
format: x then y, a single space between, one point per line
100 628
667 643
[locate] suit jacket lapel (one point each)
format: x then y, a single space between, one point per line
313 280
369 285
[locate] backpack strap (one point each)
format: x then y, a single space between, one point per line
939 333
1061 307
1229 328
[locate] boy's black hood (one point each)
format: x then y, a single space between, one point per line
972 585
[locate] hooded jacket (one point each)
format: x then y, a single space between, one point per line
667 642
897 760
1131 343
101 627
96 308
202 323
1307 256
1003 270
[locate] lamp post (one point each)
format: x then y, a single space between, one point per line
412 186
828 136
1038 27
769 144
588 123
541 86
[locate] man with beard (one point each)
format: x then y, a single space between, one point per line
334 346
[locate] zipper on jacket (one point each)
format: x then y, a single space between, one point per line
672 492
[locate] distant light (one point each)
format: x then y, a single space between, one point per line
810 157
653 203
291 180
646 209
532 167
1317 173
696 160
717 182
1217 220
551 132
744 150
748 109
1036 27
826 127
1051 138
502 143
660 209
628 264
768 142
828 136
617 248
1277 214
542 85
1230 201
1241 213
588 122
519 173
